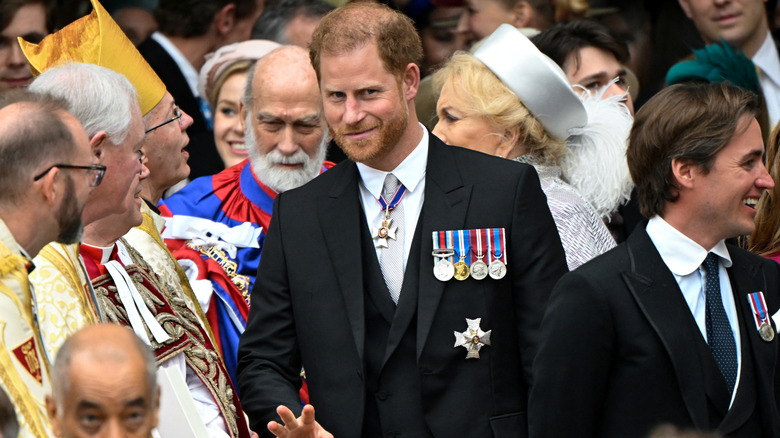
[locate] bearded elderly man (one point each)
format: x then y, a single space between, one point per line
217 224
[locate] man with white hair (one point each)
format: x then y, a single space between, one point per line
218 223
109 111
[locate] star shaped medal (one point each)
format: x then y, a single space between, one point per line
384 231
473 339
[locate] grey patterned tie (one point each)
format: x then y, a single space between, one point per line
392 258
719 335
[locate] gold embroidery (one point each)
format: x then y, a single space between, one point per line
230 267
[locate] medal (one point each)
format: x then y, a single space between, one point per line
761 316
479 270
473 339
496 248
443 269
461 267
385 230
497 269
766 332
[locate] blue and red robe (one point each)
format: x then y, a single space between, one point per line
233 197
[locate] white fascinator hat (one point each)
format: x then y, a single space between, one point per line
535 79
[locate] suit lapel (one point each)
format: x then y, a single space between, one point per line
444 208
659 297
341 224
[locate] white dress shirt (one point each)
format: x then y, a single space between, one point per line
411 173
768 61
684 258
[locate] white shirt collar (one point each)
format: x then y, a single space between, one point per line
682 255
410 172
767 59
187 70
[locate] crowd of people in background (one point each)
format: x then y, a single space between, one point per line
240 218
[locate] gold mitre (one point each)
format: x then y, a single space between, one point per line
97 39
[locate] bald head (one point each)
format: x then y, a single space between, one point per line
81 384
287 66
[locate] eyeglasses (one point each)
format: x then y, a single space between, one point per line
177 115
95 172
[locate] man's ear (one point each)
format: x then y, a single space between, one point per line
684 173
54 421
47 187
411 81
225 19
97 145
242 115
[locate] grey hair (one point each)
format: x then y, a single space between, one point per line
249 99
60 373
272 23
101 99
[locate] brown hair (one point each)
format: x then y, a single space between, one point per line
765 239
358 24
690 121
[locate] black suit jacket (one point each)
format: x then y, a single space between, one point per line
204 159
621 352
308 302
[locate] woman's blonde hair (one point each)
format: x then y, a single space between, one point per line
765 240
487 96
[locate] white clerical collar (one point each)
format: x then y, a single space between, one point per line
187 70
681 255
767 59
410 172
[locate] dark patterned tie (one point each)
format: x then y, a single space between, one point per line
719 334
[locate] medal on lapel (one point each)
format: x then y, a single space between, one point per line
461 267
761 316
479 270
473 339
443 269
497 249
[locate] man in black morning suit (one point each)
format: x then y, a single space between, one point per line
324 293
660 329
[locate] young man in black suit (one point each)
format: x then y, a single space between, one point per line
674 325
347 288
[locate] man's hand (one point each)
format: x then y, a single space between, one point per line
303 426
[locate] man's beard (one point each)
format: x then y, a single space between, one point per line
69 216
365 151
267 166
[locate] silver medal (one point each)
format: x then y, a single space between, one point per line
497 269
479 270
443 270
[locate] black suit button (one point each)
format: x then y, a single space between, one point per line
382 396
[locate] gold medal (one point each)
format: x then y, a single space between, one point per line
461 270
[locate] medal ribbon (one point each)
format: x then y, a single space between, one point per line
499 243
757 303
476 236
462 243
399 194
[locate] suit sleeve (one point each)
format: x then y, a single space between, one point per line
269 363
570 375
536 261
